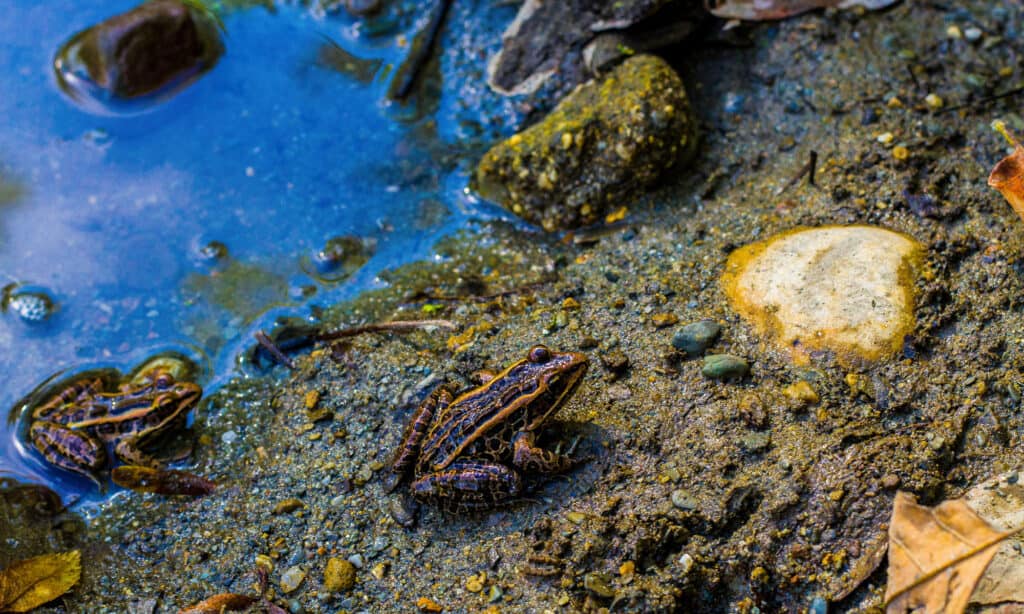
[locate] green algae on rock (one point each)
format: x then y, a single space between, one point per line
602 144
847 289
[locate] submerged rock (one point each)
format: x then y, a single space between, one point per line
598 148
546 37
846 289
155 49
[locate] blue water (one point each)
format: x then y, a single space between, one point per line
271 153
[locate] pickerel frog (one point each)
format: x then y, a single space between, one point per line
73 428
471 451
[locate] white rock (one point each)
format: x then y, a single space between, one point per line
848 289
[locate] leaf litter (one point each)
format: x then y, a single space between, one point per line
30 583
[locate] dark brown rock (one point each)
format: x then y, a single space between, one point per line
156 47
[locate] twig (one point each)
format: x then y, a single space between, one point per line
1015 91
396 326
275 351
808 169
421 54
477 297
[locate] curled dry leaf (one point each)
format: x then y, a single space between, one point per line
161 481
28 584
224 602
936 555
1008 177
757 10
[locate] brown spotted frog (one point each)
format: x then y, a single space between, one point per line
73 428
471 451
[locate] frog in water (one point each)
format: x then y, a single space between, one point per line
73 428
471 451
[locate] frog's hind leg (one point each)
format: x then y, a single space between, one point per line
69 449
469 485
529 458
419 423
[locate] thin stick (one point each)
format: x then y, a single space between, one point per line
807 169
396 326
264 340
978 103
422 54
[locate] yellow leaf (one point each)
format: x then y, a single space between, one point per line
936 555
28 584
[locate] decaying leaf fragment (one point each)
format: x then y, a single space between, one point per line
1008 177
224 602
936 555
161 481
757 10
28 584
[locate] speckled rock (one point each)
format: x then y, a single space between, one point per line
339 575
599 148
846 289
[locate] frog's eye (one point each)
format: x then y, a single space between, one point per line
164 380
539 354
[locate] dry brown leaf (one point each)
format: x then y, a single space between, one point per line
757 10
28 584
936 555
1008 177
1000 501
224 602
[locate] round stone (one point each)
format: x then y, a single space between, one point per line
844 289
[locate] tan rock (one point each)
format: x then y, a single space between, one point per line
847 289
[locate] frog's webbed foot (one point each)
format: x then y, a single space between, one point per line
468 485
69 449
419 423
129 453
528 458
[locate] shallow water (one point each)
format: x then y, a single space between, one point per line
272 153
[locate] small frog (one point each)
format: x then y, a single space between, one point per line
470 451
72 429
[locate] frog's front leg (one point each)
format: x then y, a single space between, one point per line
528 458
127 450
468 485
419 423
69 449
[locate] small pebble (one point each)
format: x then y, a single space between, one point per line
379 570
357 560
662 320
973 34
801 392
683 500
311 399
599 584
724 366
885 138
696 337
934 101
426 604
339 575
890 481
288 505
292 578
900 152
474 585
494 593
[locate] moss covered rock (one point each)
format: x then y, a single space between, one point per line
598 148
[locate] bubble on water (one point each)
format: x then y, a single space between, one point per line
31 304
339 258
